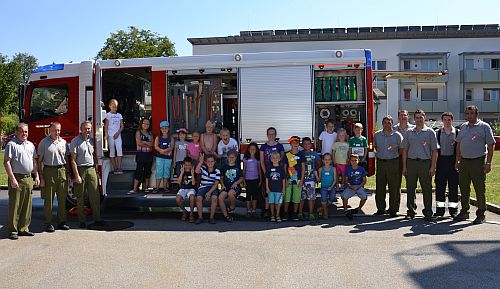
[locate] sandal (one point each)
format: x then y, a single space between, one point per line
229 219
184 216
191 218
211 221
131 192
199 221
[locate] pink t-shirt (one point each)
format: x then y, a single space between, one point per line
194 150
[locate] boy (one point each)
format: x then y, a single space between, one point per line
358 144
327 137
312 163
354 180
295 167
275 186
231 178
208 190
187 185
226 144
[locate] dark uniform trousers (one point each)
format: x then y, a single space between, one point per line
388 175
20 204
55 182
472 170
418 169
446 174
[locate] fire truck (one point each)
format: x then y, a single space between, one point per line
295 92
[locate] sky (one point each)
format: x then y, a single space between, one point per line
61 31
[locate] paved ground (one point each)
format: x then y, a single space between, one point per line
161 252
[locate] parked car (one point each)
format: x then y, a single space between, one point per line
7 139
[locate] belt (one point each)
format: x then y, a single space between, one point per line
387 160
22 176
57 166
419 160
85 167
473 159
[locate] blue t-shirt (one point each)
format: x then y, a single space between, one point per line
294 163
355 176
231 174
312 158
327 177
276 175
164 143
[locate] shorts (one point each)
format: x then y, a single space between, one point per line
340 169
293 193
115 146
252 190
237 191
163 168
348 193
309 191
202 191
327 195
275 198
186 193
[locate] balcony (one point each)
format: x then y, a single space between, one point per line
480 75
483 106
427 106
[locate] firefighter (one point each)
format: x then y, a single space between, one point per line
445 168
52 152
20 162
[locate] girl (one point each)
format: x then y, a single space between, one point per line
180 152
328 178
164 144
253 177
340 151
144 156
113 126
193 148
208 141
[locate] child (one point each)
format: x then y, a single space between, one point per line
275 186
187 184
358 144
253 177
113 126
226 144
143 157
295 167
208 140
231 178
193 148
164 144
180 151
265 159
328 178
340 151
354 180
208 190
327 137
312 163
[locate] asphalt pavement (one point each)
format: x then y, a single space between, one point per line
160 251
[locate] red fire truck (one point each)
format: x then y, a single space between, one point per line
295 92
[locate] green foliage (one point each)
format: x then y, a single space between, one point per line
8 123
495 126
10 78
136 43
28 64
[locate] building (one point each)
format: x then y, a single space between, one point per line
447 67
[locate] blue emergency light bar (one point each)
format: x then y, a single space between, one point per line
49 67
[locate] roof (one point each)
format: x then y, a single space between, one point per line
355 33
479 53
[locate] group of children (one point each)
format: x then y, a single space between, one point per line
211 172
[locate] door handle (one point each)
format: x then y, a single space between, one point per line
67 132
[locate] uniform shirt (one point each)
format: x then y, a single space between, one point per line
473 140
231 174
447 142
294 163
311 159
403 131
420 144
223 148
181 150
21 156
53 152
114 122
208 178
358 145
341 150
276 175
84 150
268 150
355 176
387 145
327 140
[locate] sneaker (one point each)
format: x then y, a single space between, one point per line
50 229
83 225
479 220
461 217
273 219
296 217
312 217
285 217
300 216
26 234
63 226
211 221
13 236
199 221
349 215
278 219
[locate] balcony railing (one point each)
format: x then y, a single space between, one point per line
482 105
427 106
488 75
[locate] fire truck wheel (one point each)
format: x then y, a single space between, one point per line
71 201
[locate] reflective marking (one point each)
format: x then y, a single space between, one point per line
452 205
440 204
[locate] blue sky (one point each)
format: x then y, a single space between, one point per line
61 31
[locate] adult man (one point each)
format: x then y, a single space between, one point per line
420 151
402 127
19 162
474 142
83 163
445 169
387 144
52 167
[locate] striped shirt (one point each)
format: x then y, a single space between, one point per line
208 179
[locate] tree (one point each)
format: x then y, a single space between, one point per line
28 64
10 78
136 43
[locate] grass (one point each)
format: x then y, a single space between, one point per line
3 174
492 182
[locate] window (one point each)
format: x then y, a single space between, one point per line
47 102
495 64
469 63
381 85
429 94
407 94
406 65
491 94
468 95
429 65
379 65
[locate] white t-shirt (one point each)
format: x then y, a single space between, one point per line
114 120
223 148
327 140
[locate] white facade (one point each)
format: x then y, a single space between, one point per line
447 93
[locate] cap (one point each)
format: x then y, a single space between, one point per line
183 130
294 138
164 123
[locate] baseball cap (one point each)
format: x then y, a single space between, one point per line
294 138
164 123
